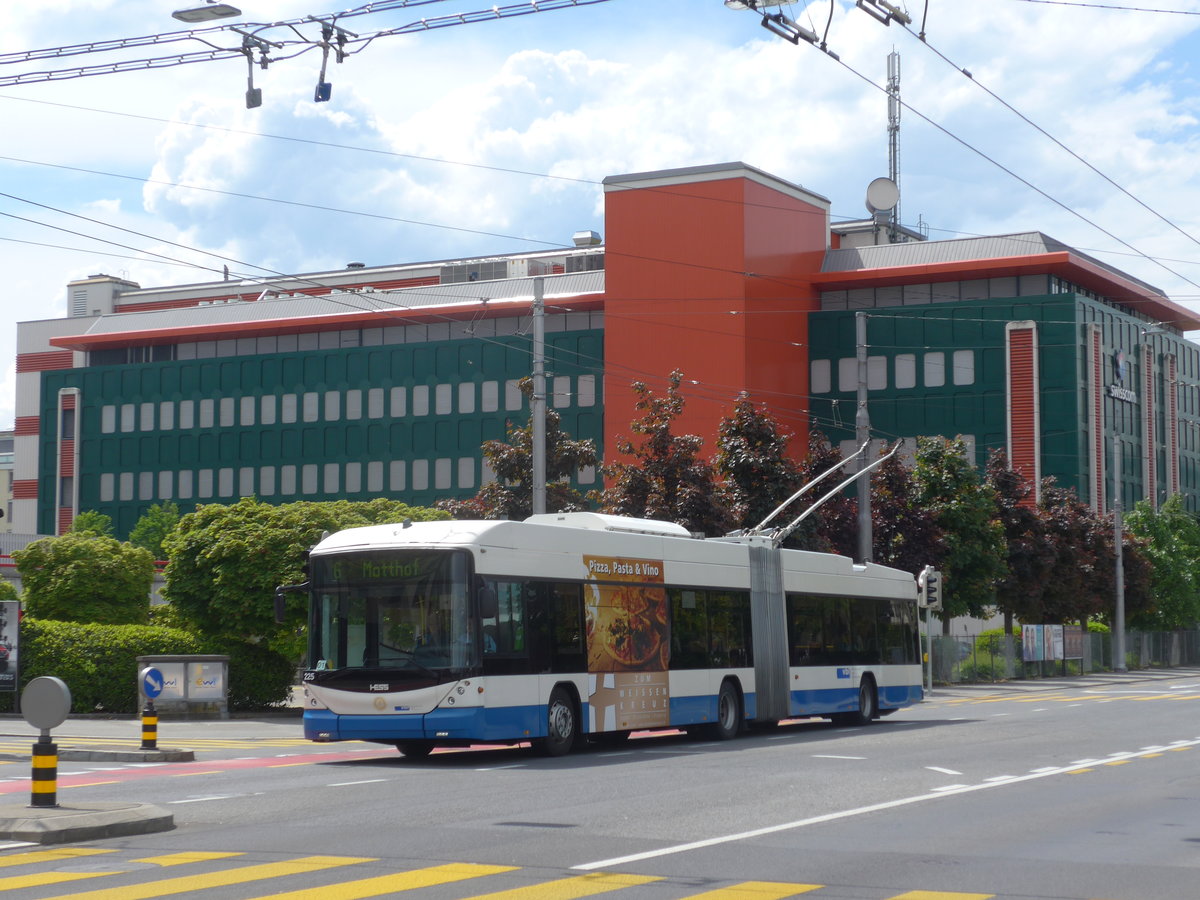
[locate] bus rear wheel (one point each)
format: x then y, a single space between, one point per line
562 724
868 706
729 713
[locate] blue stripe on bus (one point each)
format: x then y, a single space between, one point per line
512 723
834 700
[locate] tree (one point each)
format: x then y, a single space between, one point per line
1030 551
91 522
1171 538
226 561
905 533
154 525
753 462
667 479
833 528
85 577
964 508
510 496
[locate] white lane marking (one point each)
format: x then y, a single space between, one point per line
950 787
13 845
943 771
958 719
498 768
203 799
365 781
1002 778
998 715
1090 762
948 791
1044 769
831 756
1039 709
1154 748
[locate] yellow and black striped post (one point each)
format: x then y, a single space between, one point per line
44 786
149 726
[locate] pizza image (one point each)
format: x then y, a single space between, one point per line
630 629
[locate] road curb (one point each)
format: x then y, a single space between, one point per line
81 822
78 755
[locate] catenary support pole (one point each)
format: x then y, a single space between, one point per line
862 434
1119 617
537 406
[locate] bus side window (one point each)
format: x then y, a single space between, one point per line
689 629
507 627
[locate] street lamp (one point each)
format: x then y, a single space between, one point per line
206 13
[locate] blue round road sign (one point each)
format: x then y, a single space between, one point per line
152 682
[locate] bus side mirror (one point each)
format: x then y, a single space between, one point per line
489 606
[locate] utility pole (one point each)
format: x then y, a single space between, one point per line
537 403
1119 618
862 434
893 92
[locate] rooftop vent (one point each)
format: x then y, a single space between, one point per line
586 238
356 265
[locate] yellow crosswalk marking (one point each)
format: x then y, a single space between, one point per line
179 859
757 890
188 883
570 888
940 895
387 884
55 855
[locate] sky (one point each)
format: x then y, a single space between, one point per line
493 136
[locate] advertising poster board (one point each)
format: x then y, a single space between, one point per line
10 642
628 643
1032 648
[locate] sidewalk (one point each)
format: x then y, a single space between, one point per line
1066 683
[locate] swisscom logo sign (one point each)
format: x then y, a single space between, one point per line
1120 372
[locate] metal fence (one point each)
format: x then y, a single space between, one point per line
998 657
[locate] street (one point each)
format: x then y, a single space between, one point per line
1086 788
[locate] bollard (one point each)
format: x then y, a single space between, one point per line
149 726
44 786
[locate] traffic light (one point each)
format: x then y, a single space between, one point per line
929 589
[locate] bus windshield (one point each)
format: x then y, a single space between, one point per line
393 609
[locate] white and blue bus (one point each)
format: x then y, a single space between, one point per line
571 626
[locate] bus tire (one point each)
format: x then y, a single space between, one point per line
562 724
729 713
414 749
868 703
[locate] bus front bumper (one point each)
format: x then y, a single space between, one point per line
440 724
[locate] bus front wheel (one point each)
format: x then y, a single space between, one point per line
729 713
414 749
562 724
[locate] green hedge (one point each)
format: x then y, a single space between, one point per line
99 664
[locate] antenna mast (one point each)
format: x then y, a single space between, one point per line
893 92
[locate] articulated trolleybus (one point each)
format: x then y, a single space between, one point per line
579 625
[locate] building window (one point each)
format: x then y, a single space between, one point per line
353 478
876 373
266 413
185 485
964 366
848 374
420 400
441 474
561 391
512 395
466 398
420 474
489 396
245 481
312 406
287 409
126 417
586 386
935 369
396 474
206 413
225 482
287 481
246 416
587 475
108 419
227 407
354 405
266 481
375 403
146 415
332 478
126 486
398 398
145 485
819 376
374 477
906 370
204 483
443 395
308 478
108 485
466 472
166 415
165 484
187 413
333 406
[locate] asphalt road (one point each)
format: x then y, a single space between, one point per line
1082 789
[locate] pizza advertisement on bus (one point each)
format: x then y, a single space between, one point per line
628 642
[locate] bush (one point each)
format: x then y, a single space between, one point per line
99 664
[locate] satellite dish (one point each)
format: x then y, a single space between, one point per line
882 195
